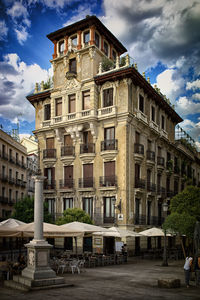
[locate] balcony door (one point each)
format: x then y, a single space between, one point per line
88 175
50 143
109 169
68 140
68 176
49 173
109 138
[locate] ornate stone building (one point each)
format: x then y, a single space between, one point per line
107 138
13 173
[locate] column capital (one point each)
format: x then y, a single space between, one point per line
39 178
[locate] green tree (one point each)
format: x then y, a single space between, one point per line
107 64
184 212
74 214
24 211
48 84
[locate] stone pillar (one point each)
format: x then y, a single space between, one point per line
66 45
38 208
92 31
55 49
79 40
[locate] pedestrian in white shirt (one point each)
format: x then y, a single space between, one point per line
187 269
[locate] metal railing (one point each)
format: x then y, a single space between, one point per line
151 187
67 151
139 148
66 183
87 148
150 155
140 183
86 182
160 161
49 153
3 199
110 220
109 145
49 185
106 181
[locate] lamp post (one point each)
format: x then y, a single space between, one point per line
165 263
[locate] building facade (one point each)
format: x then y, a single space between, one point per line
13 173
31 144
106 136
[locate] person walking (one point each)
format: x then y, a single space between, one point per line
187 269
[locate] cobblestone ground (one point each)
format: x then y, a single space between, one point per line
135 280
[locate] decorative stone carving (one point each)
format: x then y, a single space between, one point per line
72 84
59 134
93 128
92 52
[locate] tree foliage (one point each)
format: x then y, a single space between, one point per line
48 84
24 211
74 214
185 211
107 64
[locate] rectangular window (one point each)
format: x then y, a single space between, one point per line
114 55
109 133
86 37
96 37
51 205
10 173
58 103
72 65
86 100
10 194
61 47
141 103
105 47
10 154
163 122
109 208
88 175
16 196
108 97
47 112
109 170
67 203
72 103
50 143
153 113
74 40
88 206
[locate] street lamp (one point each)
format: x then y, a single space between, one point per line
165 263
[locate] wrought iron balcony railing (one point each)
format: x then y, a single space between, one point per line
139 148
87 148
49 153
67 151
109 145
49 185
140 183
150 155
66 183
86 182
160 161
151 187
106 181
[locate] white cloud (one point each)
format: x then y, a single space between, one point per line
186 106
170 83
22 34
16 85
3 30
194 85
56 3
196 96
17 10
80 13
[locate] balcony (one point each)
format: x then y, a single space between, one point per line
23 184
3 200
4 156
150 158
11 202
107 111
87 148
140 183
139 219
17 182
18 163
11 159
142 117
66 184
109 145
108 181
109 149
11 180
23 165
138 152
160 163
86 182
154 126
31 189
169 194
109 220
49 153
151 187
67 151
161 191
49 185
3 177
164 134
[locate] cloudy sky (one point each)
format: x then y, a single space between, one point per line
162 36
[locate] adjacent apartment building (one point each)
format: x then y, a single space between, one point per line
106 136
13 173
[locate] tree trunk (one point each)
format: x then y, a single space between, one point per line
181 240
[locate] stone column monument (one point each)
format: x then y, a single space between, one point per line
38 272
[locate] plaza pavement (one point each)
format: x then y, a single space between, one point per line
136 279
